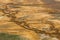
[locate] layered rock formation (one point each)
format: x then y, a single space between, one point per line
32 19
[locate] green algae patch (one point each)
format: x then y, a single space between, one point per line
4 36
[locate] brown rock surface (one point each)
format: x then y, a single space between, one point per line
32 19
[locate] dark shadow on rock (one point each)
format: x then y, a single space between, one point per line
50 1
54 4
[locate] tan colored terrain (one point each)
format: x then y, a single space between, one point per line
37 17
